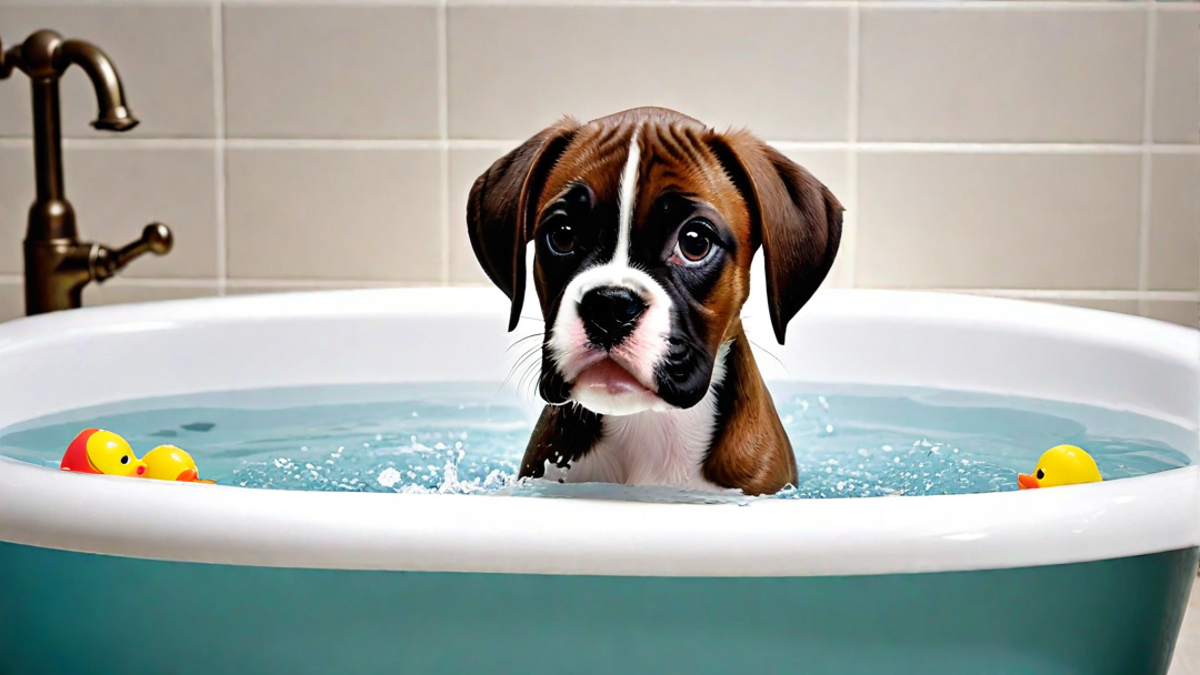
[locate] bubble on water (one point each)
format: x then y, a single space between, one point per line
389 477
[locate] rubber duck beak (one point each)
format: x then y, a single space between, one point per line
188 475
1026 482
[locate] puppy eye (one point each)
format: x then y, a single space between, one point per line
561 238
695 243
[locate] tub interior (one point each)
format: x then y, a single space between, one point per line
246 383
468 438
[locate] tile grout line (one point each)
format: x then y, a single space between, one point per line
1011 5
1016 293
444 135
503 144
949 5
852 113
222 177
1145 205
1052 294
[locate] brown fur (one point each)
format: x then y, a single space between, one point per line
765 200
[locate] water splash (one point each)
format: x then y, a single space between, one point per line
463 439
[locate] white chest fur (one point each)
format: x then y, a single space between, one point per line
652 448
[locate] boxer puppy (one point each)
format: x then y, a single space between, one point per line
644 226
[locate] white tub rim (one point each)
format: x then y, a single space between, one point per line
217 524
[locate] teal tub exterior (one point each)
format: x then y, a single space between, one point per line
66 613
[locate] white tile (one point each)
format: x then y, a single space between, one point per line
163 54
1117 306
331 72
1182 313
1054 221
996 75
781 71
12 301
113 292
1177 78
334 214
117 192
1175 223
465 167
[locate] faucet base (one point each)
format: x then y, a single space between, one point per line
55 273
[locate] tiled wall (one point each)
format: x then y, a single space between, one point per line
1048 150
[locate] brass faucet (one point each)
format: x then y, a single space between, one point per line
57 264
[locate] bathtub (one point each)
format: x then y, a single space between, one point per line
107 575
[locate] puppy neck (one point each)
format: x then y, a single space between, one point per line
653 447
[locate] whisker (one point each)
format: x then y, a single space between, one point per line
529 379
520 340
535 374
768 353
517 364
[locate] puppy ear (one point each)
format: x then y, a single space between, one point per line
502 206
795 217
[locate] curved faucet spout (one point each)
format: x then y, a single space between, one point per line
113 114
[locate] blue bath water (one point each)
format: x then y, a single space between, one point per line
469 437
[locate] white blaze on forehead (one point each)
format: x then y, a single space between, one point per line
641 352
627 200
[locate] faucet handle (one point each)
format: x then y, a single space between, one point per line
105 262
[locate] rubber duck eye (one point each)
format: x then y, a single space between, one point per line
1041 474
124 459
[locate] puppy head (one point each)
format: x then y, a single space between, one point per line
644 226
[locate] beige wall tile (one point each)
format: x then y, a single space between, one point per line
1175 223
269 290
832 169
467 165
995 75
1182 313
113 292
334 214
1118 306
998 221
1177 78
331 72
779 71
163 54
12 302
117 192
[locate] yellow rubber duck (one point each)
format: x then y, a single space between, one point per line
1061 465
168 462
101 451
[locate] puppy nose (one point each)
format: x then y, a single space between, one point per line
609 314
